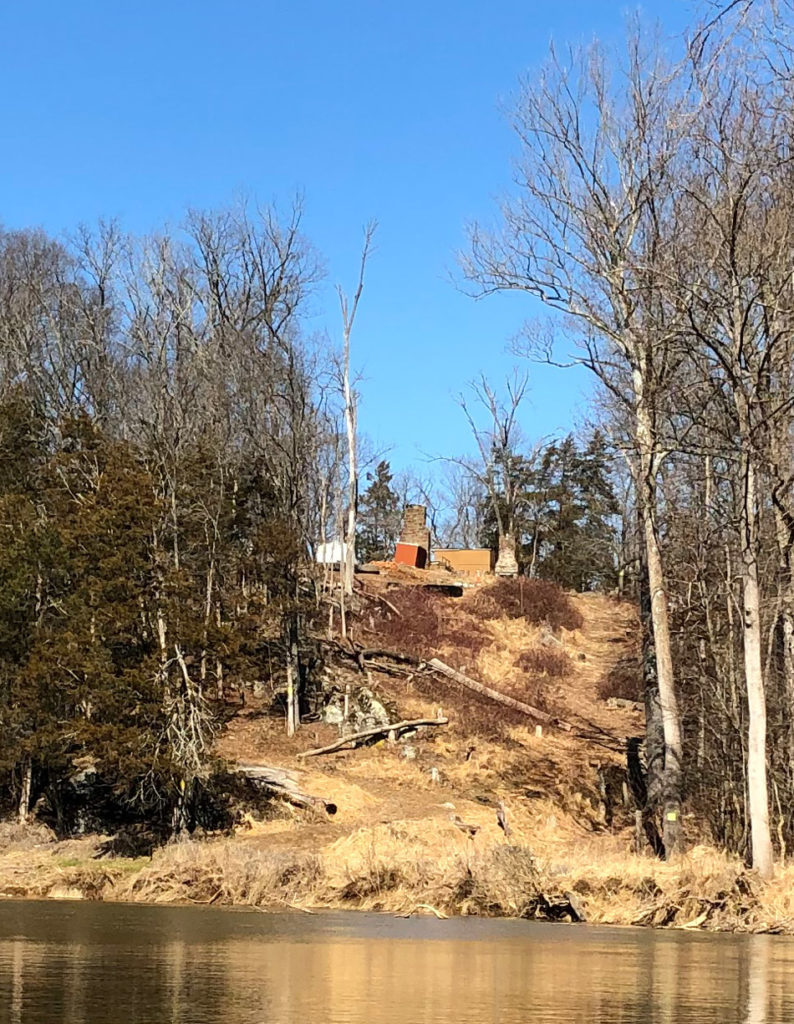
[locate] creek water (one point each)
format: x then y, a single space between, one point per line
94 963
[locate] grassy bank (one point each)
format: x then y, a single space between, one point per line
399 868
406 867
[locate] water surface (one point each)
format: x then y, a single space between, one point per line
93 963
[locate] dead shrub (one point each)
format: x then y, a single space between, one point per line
539 602
14 836
376 880
535 690
505 882
624 681
474 714
92 879
467 642
545 662
223 873
428 622
418 627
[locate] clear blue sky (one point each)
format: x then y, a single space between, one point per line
371 109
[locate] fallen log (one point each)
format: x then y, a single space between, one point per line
359 654
283 783
400 671
501 698
378 730
380 652
426 906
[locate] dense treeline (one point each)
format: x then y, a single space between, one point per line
655 214
173 446
169 453
565 516
566 520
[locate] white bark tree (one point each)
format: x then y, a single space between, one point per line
349 308
740 311
586 232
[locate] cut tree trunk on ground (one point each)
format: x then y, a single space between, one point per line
500 698
359 653
363 655
379 730
379 652
284 784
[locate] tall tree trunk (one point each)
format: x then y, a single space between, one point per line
757 789
349 310
653 778
781 472
672 775
292 666
533 561
787 640
654 728
25 786
218 661
352 470
210 580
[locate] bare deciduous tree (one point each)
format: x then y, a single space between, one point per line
496 466
349 308
586 233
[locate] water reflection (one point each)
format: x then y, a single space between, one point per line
86 964
15 966
757 960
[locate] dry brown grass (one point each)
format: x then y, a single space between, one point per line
623 680
401 865
58 869
14 836
538 602
705 888
428 623
221 871
392 867
545 662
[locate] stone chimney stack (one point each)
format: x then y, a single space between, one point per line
415 529
415 532
507 563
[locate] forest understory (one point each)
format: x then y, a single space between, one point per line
416 828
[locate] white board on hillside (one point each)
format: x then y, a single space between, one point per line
332 552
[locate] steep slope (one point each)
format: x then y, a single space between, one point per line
417 828
558 786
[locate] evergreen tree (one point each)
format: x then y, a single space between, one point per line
579 552
379 516
81 683
564 515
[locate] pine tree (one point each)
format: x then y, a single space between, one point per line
580 541
379 516
564 515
